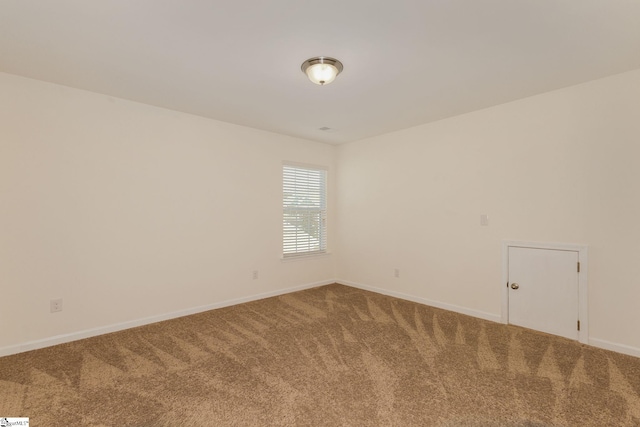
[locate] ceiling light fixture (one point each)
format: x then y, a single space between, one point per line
322 70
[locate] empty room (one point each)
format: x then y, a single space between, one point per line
355 213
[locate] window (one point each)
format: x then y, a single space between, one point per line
304 202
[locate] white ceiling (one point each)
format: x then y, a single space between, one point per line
407 62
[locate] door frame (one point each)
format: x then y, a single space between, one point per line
583 334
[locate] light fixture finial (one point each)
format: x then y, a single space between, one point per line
322 70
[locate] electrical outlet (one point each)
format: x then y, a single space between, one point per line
396 272
255 274
56 305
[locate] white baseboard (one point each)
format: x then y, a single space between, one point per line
65 338
450 307
87 333
606 345
618 348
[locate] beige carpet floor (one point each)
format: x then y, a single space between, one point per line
330 356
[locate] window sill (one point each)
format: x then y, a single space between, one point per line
304 257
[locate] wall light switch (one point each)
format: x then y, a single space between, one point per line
484 220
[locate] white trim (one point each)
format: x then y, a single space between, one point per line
302 256
544 245
450 307
61 339
504 291
583 256
618 348
305 165
87 333
302 182
594 342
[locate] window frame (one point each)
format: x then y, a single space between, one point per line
309 186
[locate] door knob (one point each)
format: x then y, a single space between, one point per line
514 286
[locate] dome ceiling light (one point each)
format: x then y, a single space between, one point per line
322 70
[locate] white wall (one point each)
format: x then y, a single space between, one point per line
558 167
132 213
128 212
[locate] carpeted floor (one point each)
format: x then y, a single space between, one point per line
330 356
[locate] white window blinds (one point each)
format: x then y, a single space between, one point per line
304 229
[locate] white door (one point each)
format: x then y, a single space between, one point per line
543 290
